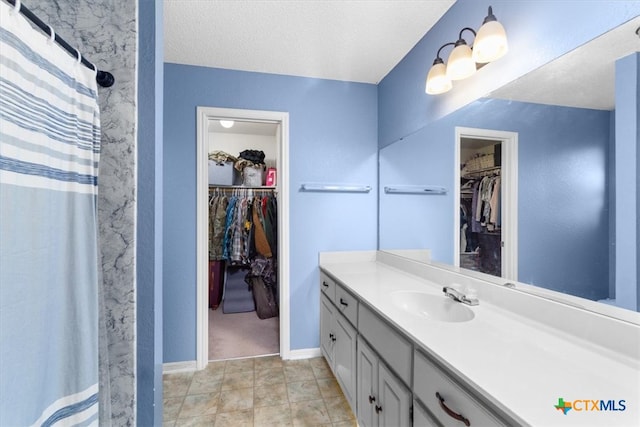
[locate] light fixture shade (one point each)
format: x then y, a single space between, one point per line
460 64
437 80
226 123
490 43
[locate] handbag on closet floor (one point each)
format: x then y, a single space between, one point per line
266 304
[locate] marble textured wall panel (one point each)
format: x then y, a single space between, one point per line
105 31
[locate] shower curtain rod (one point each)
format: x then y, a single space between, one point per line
103 78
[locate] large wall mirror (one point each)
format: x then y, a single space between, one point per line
564 115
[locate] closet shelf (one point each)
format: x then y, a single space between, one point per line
483 172
239 187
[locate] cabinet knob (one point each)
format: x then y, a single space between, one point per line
452 414
332 337
325 284
378 409
343 302
371 399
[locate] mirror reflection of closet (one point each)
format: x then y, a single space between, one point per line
243 288
480 204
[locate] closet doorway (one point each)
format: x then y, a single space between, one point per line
227 301
485 201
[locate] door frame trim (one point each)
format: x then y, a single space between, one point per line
509 195
204 114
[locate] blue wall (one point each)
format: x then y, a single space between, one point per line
333 138
562 192
626 181
538 32
149 216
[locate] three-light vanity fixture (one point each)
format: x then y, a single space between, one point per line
489 44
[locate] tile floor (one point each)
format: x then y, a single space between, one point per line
264 391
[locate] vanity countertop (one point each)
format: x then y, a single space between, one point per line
520 365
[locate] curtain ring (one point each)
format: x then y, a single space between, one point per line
16 7
52 34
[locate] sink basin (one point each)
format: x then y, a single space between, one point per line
434 307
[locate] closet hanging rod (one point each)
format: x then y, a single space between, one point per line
235 188
103 78
482 173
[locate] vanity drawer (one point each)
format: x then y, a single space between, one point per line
347 304
428 380
422 417
388 343
328 286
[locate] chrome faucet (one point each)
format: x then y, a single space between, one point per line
458 296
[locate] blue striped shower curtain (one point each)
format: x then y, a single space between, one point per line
49 152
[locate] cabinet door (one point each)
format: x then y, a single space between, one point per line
394 400
326 333
367 385
344 356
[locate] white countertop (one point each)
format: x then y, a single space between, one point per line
520 365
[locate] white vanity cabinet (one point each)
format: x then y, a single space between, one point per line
338 336
383 400
387 377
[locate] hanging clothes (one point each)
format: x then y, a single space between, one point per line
242 227
485 205
217 221
261 242
49 297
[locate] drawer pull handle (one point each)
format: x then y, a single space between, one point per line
449 412
372 399
378 409
325 284
343 302
332 337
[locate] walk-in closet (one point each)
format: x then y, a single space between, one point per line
480 205
243 239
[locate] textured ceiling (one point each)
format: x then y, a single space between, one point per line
584 77
348 40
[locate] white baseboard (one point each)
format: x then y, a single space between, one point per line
191 365
305 353
173 367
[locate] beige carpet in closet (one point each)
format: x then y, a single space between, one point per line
242 335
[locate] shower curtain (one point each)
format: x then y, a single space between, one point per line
49 152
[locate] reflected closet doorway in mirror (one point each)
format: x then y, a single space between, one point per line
208 126
485 201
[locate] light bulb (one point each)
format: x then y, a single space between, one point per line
490 44
226 123
437 80
491 40
460 65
